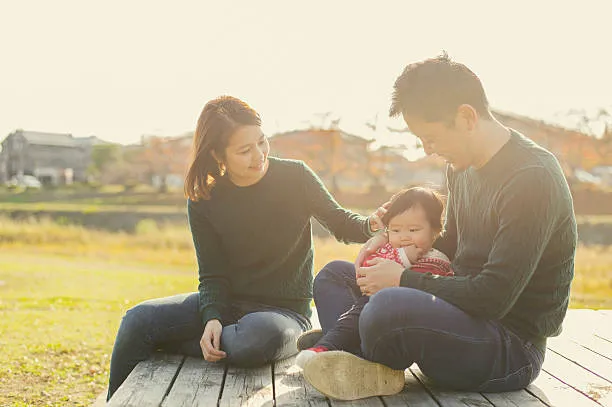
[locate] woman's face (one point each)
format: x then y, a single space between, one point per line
246 155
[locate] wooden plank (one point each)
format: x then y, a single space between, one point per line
198 384
414 394
579 378
598 345
606 313
291 389
580 326
604 327
449 398
248 387
580 322
554 392
369 402
517 398
582 356
148 383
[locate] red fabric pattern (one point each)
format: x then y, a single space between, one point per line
386 252
431 265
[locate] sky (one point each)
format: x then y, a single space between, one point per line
122 69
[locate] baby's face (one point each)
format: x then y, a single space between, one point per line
411 227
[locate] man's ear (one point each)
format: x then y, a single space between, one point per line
436 234
466 118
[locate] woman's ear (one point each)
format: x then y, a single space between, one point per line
220 164
215 156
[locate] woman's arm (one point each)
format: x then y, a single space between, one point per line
214 287
345 225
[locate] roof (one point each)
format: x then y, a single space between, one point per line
47 139
56 139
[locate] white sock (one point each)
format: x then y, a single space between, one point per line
303 357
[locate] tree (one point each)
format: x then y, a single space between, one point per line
599 126
163 156
103 158
593 124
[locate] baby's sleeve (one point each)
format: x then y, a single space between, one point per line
401 254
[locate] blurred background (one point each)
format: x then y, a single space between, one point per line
99 100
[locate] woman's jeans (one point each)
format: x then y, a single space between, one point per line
400 326
253 334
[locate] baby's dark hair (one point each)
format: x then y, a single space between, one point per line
429 199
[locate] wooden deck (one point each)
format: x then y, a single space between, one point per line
577 372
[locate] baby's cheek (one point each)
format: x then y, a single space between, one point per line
423 243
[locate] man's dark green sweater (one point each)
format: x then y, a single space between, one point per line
511 232
254 243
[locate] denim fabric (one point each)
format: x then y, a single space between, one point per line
253 334
400 326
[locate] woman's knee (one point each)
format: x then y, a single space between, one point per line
139 317
335 271
257 340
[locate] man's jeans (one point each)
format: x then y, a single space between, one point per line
400 326
253 334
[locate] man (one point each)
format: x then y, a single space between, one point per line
510 231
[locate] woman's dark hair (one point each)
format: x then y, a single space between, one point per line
427 198
219 119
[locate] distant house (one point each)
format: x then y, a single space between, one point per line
339 158
397 172
51 157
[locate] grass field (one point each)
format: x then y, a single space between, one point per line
63 290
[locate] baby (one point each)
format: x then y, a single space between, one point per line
413 222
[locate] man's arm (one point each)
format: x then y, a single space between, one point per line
527 219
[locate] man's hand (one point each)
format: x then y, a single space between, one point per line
381 273
211 341
368 248
413 253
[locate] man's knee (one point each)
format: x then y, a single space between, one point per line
389 308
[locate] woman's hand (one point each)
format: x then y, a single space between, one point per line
375 219
211 341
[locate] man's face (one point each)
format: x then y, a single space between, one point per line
445 139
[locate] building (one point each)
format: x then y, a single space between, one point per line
51 157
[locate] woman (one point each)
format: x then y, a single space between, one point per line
250 219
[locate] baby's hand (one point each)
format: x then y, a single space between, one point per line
413 253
